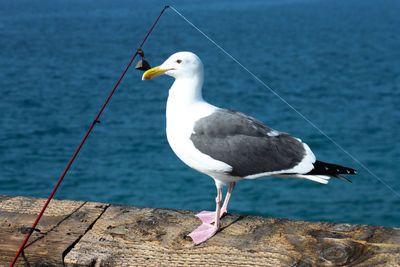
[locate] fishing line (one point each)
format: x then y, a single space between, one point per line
95 121
287 103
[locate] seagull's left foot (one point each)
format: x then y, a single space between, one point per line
204 232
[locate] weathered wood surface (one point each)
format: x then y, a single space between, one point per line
63 223
92 234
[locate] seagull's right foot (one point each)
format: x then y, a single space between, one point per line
208 216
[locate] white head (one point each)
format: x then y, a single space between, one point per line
179 65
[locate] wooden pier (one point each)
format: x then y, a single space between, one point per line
77 233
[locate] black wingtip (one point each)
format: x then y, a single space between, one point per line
324 168
350 171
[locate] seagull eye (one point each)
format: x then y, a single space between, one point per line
179 61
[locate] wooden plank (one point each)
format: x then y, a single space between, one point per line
77 233
63 223
133 236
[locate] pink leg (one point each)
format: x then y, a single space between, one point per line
209 216
227 198
206 230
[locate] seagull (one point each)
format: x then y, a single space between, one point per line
228 145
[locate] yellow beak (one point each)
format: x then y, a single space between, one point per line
151 73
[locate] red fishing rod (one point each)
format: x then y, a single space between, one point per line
95 121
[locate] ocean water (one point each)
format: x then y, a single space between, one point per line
336 62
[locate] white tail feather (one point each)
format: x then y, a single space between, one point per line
323 179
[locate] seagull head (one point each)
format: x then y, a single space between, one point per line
179 65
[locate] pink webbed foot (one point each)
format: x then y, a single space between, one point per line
206 230
203 233
208 216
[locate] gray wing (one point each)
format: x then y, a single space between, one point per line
245 143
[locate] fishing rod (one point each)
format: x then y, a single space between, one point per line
142 65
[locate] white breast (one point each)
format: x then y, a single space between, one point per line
180 122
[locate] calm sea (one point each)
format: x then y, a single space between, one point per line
336 62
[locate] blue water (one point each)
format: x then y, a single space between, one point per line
336 62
